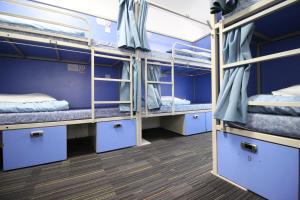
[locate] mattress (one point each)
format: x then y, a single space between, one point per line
282 125
40 26
37 117
168 56
182 108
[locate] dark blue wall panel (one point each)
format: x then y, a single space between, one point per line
203 88
31 76
277 74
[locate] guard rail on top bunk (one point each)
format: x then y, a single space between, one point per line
13 30
252 13
182 61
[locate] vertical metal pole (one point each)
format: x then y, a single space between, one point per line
93 82
146 86
131 88
139 89
258 71
173 85
215 88
221 57
139 103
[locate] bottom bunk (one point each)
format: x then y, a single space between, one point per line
56 116
180 108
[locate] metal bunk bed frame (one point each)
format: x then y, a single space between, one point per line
256 11
171 63
68 41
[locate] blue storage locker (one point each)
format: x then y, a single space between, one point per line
208 121
194 123
29 147
114 135
268 169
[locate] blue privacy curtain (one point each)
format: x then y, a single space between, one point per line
131 31
154 92
233 101
125 87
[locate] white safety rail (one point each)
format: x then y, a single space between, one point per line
252 13
68 40
118 56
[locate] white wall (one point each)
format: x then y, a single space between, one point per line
158 21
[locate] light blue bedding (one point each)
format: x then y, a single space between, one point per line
278 110
41 26
47 106
286 126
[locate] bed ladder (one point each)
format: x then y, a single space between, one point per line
147 82
93 79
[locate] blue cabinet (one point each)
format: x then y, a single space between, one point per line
268 169
29 147
114 135
194 123
208 121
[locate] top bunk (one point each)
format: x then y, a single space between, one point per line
182 54
40 23
247 8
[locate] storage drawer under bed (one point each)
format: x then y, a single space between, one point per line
114 135
194 123
29 147
268 169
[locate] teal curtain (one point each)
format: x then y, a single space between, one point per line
131 31
154 91
232 103
125 87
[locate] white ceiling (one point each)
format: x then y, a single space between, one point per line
158 21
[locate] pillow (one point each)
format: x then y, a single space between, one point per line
167 101
289 91
25 98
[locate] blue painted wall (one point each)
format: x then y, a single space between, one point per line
277 74
53 78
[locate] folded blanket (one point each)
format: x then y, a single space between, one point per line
279 110
167 101
25 107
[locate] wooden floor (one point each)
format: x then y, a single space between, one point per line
172 167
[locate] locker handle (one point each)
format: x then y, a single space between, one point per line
249 147
195 116
117 125
35 134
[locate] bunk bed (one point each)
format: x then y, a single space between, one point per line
242 151
185 60
44 39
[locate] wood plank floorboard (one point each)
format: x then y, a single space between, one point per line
171 167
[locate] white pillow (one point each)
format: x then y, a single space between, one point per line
289 91
167 100
25 98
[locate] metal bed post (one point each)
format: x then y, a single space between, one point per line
258 71
131 87
215 88
221 58
173 85
93 82
146 87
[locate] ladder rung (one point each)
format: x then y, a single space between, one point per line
159 82
112 57
111 79
112 102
